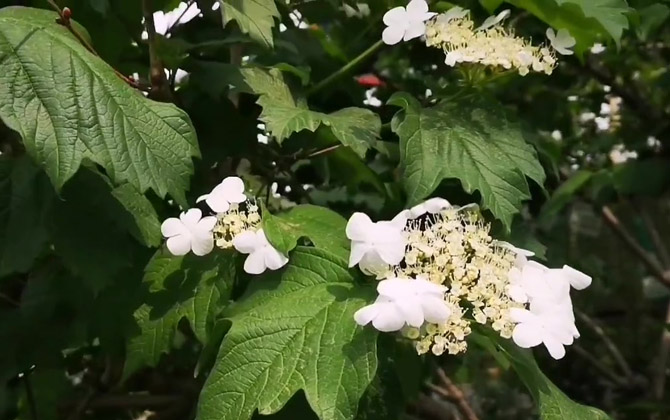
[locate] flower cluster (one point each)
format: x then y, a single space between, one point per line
440 270
489 44
235 223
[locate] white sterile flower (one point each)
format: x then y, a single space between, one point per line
453 57
229 191
189 232
602 123
521 254
432 206
543 324
597 48
262 255
494 20
405 23
376 244
405 302
453 13
576 278
562 41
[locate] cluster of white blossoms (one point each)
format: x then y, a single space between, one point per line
235 223
489 44
440 270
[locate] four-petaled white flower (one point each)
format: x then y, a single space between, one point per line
432 206
494 20
543 324
189 232
405 23
375 245
229 191
562 41
405 302
262 255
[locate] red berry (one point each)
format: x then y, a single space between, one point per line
67 13
370 80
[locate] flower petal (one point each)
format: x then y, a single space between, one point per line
245 242
423 286
411 310
190 218
218 203
179 245
392 253
414 30
366 314
371 263
395 17
416 9
202 245
577 279
232 189
522 315
396 289
274 260
526 336
358 251
393 35
389 318
359 227
206 224
435 310
555 348
255 263
172 227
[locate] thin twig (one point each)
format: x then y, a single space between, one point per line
346 68
9 300
659 244
160 89
609 344
66 21
658 381
322 151
600 366
652 264
236 52
454 394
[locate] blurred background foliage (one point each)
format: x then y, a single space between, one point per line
600 123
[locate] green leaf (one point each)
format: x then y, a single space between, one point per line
642 177
25 198
283 115
191 287
69 105
586 20
652 18
468 141
324 228
146 227
564 194
296 332
49 387
255 17
552 403
491 5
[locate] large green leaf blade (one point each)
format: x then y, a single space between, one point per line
68 105
255 17
470 142
195 288
297 332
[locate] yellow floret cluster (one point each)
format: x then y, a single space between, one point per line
453 248
239 218
494 46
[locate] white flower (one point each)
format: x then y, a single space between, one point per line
543 324
586 117
453 13
602 123
189 232
557 135
405 302
597 48
432 206
453 57
605 108
562 41
406 23
376 244
262 255
371 99
230 190
576 278
494 20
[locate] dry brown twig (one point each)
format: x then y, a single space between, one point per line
453 393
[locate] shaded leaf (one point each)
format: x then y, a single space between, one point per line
191 287
147 227
69 105
468 141
255 17
295 332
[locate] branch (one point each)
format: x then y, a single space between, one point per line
160 88
652 264
454 394
346 69
658 381
600 366
65 15
30 395
609 344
